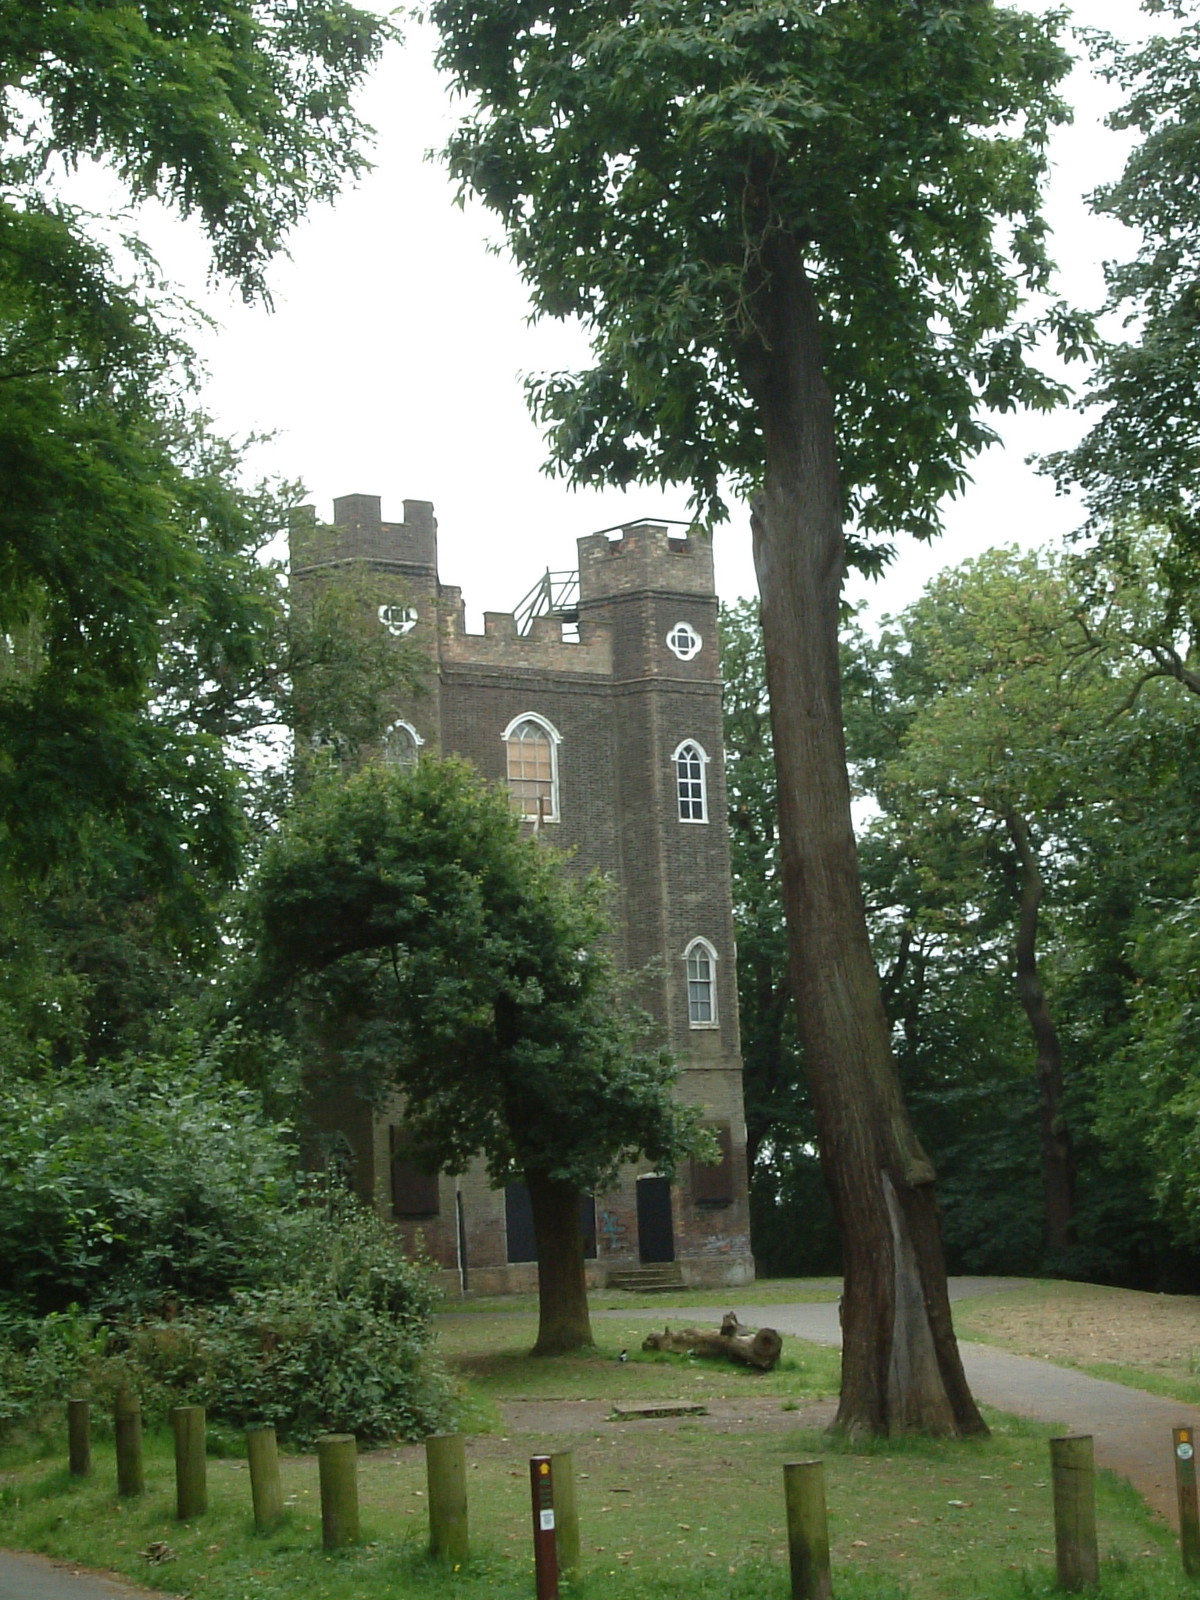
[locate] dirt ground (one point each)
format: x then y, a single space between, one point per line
1083 1324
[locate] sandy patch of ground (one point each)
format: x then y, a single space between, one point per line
1082 1324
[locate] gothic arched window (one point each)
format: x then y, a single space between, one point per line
691 782
402 745
531 745
701 962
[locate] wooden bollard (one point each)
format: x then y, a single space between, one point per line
337 1460
191 1480
446 1479
808 1530
127 1425
1073 1475
566 1513
266 1491
79 1437
1184 1440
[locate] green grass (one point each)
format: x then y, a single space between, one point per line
670 1511
667 1513
492 1354
763 1292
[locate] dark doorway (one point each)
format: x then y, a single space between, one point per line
518 1219
656 1228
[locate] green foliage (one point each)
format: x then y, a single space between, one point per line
1138 460
131 1185
334 1336
642 160
125 537
430 947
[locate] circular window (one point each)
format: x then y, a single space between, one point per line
398 620
684 641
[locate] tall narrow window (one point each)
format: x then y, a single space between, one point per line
532 754
691 782
401 745
701 962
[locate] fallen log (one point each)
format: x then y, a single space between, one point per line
733 1342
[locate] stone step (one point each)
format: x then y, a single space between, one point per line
654 1279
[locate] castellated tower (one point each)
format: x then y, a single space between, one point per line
598 702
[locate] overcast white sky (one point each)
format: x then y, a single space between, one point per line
393 359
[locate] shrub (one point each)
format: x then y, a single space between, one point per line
341 1343
124 1186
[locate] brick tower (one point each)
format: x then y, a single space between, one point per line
598 702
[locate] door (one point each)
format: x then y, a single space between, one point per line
656 1228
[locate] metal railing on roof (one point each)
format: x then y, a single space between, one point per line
555 594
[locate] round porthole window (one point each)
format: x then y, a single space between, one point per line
684 641
398 620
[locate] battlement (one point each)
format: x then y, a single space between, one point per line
359 533
645 556
542 648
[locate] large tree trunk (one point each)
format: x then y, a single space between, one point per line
901 1369
1058 1153
563 1321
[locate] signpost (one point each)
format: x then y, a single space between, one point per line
1185 1485
545 1547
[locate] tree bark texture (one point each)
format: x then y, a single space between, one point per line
901 1369
563 1320
1058 1153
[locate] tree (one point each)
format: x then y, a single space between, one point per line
999 701
778 224
433 948
1137 463
114 506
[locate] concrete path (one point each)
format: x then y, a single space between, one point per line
1132 1430
24 1577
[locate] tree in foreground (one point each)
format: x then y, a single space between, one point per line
117 509
434 949
779 223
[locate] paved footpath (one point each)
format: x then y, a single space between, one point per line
1132 1430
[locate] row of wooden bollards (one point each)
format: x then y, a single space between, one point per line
337 1467
1073 1480
554 1505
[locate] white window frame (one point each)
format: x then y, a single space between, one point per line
412 733
555 738
702 944
694 650
691 744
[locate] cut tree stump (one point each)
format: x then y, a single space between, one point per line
732 1342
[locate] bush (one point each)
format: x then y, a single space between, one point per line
343 1345
125 1186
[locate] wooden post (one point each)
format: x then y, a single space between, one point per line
266 1491
545 1547
446 1479
79 1437
1074 1479
566 1513
337 1460
808 1530
1185 1486
127 1425
191 1484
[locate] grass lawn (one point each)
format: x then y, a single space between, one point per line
491 1352
688 1510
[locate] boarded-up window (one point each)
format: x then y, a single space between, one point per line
518 1219
713 1185
414 1191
